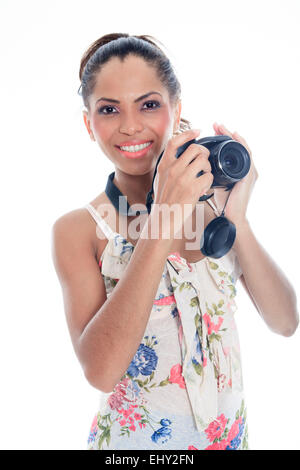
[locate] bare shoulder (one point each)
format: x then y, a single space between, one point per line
74 226
78 226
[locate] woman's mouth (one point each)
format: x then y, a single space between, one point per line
135 151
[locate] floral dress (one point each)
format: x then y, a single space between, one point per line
183 388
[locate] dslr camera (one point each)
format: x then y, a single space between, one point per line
229 160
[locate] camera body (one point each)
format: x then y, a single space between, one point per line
230 160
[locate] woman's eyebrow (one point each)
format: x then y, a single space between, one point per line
135 101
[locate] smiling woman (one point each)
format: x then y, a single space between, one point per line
163 352
154 329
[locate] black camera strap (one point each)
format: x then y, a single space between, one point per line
218 236
114 194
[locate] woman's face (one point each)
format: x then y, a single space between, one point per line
130 121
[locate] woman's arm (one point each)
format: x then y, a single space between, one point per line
268 287
271 291
105 332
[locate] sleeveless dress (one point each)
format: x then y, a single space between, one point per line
183 388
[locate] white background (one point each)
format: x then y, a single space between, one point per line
238 63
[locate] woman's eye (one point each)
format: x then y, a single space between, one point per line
106 109
101 110
153 102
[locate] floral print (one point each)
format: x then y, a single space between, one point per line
227 437
183 388
128 396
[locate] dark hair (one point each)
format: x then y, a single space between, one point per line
121 45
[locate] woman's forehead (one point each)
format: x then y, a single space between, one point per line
127 81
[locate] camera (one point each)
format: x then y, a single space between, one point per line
229 160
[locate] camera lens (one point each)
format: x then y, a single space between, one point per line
234 161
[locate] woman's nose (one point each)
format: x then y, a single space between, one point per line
131 125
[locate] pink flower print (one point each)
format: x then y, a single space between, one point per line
192 448
128 412
167 300
176 257
217 326
132 427
94 423
204 359
176 377
115 400
142 425
234 430
121 386
216 428
218 445
137 416
122 422
221 380
210 325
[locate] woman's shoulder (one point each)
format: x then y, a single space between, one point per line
80 223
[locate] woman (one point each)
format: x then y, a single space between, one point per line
151 321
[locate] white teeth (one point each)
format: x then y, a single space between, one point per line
135 148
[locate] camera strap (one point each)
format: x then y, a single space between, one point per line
114 194
217 238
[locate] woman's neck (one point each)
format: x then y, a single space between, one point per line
135 187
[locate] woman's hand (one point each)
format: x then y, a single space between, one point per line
236 206
176 184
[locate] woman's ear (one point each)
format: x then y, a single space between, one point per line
88 124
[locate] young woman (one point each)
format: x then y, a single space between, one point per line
151 321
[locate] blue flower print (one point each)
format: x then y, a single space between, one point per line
165 422
144 361
92 435
195 362
126 246
174 312
162 434
198 348
134 387
236 442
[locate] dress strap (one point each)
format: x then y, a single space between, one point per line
108 232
